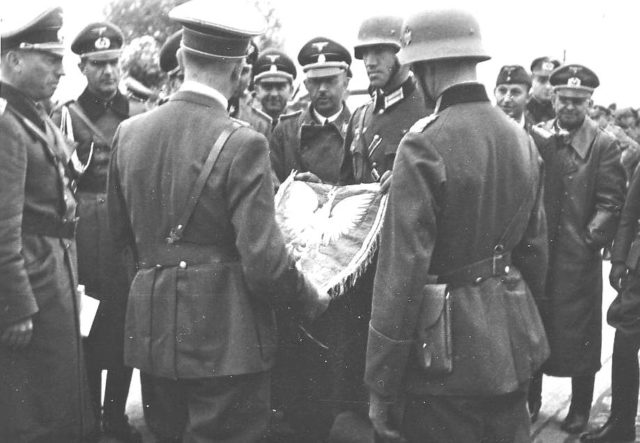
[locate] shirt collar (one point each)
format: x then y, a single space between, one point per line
201 88
95 106
322 119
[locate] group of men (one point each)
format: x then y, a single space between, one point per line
172 215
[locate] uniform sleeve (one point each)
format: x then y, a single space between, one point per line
628 221
276 152
609 197
269 270
17 300
119 223
346 171
531 254
408 239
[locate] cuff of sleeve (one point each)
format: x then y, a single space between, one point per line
602 228
12 313
386 363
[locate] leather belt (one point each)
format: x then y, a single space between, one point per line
495 266
49 227
183 254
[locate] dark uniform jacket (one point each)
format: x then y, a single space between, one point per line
460 178
101 270
299 142
376 128
583 196
624 312
242 110
42 387
200 307
538 111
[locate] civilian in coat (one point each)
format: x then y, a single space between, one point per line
200 323
583 196
465 209
43 387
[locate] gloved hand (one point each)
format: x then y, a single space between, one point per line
617 275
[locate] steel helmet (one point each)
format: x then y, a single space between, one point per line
378 30
441 34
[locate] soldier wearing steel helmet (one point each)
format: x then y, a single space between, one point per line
464 212
211 261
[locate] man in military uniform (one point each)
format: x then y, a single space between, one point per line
91 121
211 261
512 93
273 76
311 141
43 387
168 61
539 106
464 210
371 141
583 196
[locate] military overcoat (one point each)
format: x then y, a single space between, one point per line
584 193
299 142
202 306
43 392
460 178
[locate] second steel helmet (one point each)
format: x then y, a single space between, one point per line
378 30
441 34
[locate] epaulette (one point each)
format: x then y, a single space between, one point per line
421 124
3 105
290 115
241 122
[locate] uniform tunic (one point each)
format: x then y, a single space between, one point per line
300 142
101 269
43 392
459 179
584 194
258 120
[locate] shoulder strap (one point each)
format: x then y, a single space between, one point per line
176 232
78 112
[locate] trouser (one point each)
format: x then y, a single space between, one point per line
486 419
581 392
624 380
231 409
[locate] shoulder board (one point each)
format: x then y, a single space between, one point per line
262 114
240 122
422 124
291 115
3 105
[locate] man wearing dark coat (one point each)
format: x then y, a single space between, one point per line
465 210
91 121
211 261
311 141
539 107
43 387
583 196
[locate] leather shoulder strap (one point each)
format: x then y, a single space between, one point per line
175 234
78 112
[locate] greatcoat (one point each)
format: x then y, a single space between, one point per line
43 390
583 196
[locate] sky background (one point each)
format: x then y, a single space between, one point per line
603 35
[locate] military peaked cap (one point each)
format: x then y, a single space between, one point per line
217 32
99 41
576 80
273 65
543 66
513 74
323 57
40 32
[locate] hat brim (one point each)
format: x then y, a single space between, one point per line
573 91
111 54
274 77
